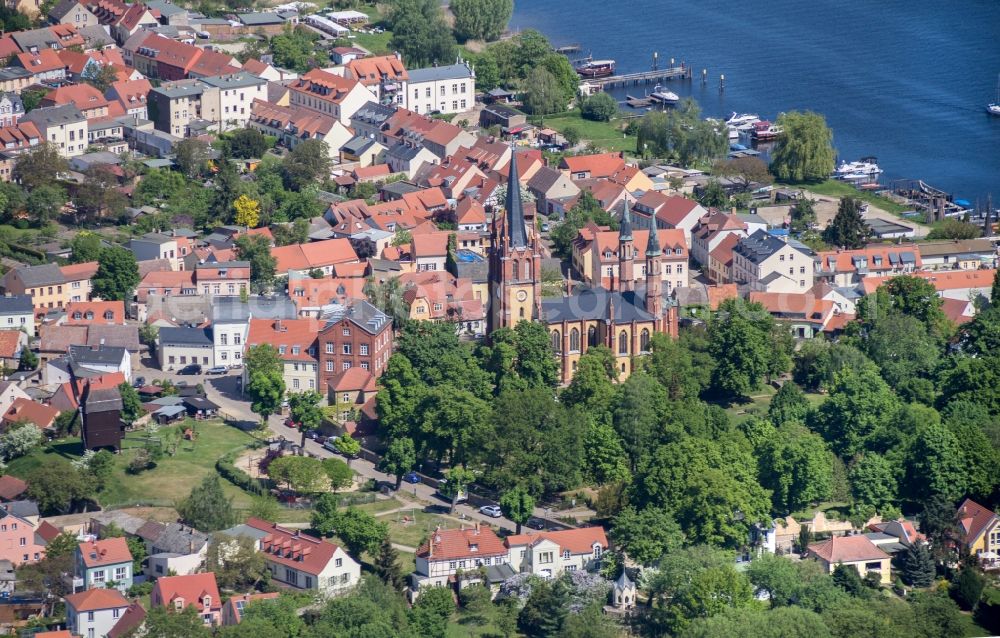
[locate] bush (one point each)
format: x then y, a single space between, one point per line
600 107
142 461
227 469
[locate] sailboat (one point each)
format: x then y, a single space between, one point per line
994 107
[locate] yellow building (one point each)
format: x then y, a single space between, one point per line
854 551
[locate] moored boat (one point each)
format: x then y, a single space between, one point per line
993 108
764 130
596 68
741 119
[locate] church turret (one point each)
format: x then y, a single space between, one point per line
654 280
517 234
626 252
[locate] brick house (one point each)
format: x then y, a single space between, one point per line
354 334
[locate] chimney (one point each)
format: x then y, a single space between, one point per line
477 528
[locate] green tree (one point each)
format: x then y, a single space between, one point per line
744 172
847 578
247 143
45 203
265 380
340 474
307 162
788 405
324 514
257 250
304 474
684 365
268 618
430 615
518 505
967 589
545 610
936 464
347 445
572 134
847 229
457 480
420 33
797 467
19 439
40 167
192 156
859 404
56 486
600 107
264 506
638 416
360 531
387 296
804 150
100 78
917 565
85 246
646 535
305 412
951 228
131 404
522 358
544 95
165 622
98 194
207 508
709 592
741 349
902 347
873 481
606 459
236 563
481 19
28 360
803 215
117 274
400 457
681 135
386 565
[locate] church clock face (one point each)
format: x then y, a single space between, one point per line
521 295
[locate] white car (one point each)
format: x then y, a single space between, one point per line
491 510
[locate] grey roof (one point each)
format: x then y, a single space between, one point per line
223 264
155 238
400 188
55 115
114 336
243 529
360 312
103 400
499 573
20 509
171 399
544 178
180 89
403 152
233 80
963 246
36 39
165 8
594 303
14 73
171 410
16 305
95 34
357 144
625 229
761 245
374 113
274 307
259 18
65 6
200 403
185 337
437 73
180 539
41 275
623 581
101 355
517 234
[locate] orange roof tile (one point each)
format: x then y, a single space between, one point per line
472 542
431 244
79 272
308 553
847 549
352 379
191 588
10 343
109 551
974 519
96 599
23 409
597 165
90 312
370 71
295 336
577 541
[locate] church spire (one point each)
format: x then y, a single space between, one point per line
625 229
517 235
653 245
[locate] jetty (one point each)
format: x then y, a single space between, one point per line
568 48
682 72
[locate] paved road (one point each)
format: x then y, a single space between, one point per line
224 391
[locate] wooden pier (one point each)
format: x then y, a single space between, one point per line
682 72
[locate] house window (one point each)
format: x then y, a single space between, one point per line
574 340
329 348
623 343
121 573
90 616
346 365
329 366
295 384
346 332
309 582
644 340
290 576
24 541
545 557
223 339
346 348
556 341
364 349
565 554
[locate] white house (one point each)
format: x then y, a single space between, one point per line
100 359
230 327
305 562
549 554
17 312
449 551
770 264
237 92
93 613
448 89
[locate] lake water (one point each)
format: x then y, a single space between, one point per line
903 80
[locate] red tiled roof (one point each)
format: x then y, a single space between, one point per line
426 199
20 135
133 617
723 253
843 260
941 279
598 165
96 311
371 172
577 541
352 379
293 548
47 531
192 588
472 542
11 487
41 62
83 96
431 244
79 272
10 341
323 85
96 599
246 598
23 409
287 333
470 211
62 633
369 71
109 551
847 549
314 254
974 519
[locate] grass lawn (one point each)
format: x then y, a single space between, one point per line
606 135
377 43
465 624
837 188
740 412
421 525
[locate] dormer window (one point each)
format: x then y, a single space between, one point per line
179 604
109 315
206 602
89 315
565 554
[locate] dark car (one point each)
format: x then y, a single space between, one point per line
139 382
217 370
193 368
535 523
411 477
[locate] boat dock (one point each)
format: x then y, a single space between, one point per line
934 203
682 72
638 102
569 48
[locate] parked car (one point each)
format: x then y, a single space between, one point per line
216 370
139 382
535 523
192 368
329 445
289 423
411 477
491 510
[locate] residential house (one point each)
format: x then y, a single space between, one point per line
268 24
980 530
330 94
385 76
408 160
598 165
449 551
232 611
229 278
297 346
305 562
805 314
430 250
10 392
159 246
958 285
175 548
320 255
130 623
669 211
230 325
174 105
293 125
195 590
15 79
15 139
445 89
45 66
853 551
28 411
711 230
64 127
102 359
351 391
132 96
21 542
470 215
135 18
549 186
767 263
11 487
17 312
99 563
12 343
72 12
86 313
11 109
236 93
353 334
178 347
959 254
719 268
440 296
45 284
549 554
505 117
95 612
84 97
848 267
78 278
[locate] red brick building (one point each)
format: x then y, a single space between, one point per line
355 334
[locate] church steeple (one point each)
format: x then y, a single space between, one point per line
517 234
626 252
654 280
653 245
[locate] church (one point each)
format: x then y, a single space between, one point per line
623 318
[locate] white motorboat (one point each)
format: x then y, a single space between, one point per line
665 97
867 167
993 108
737 120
